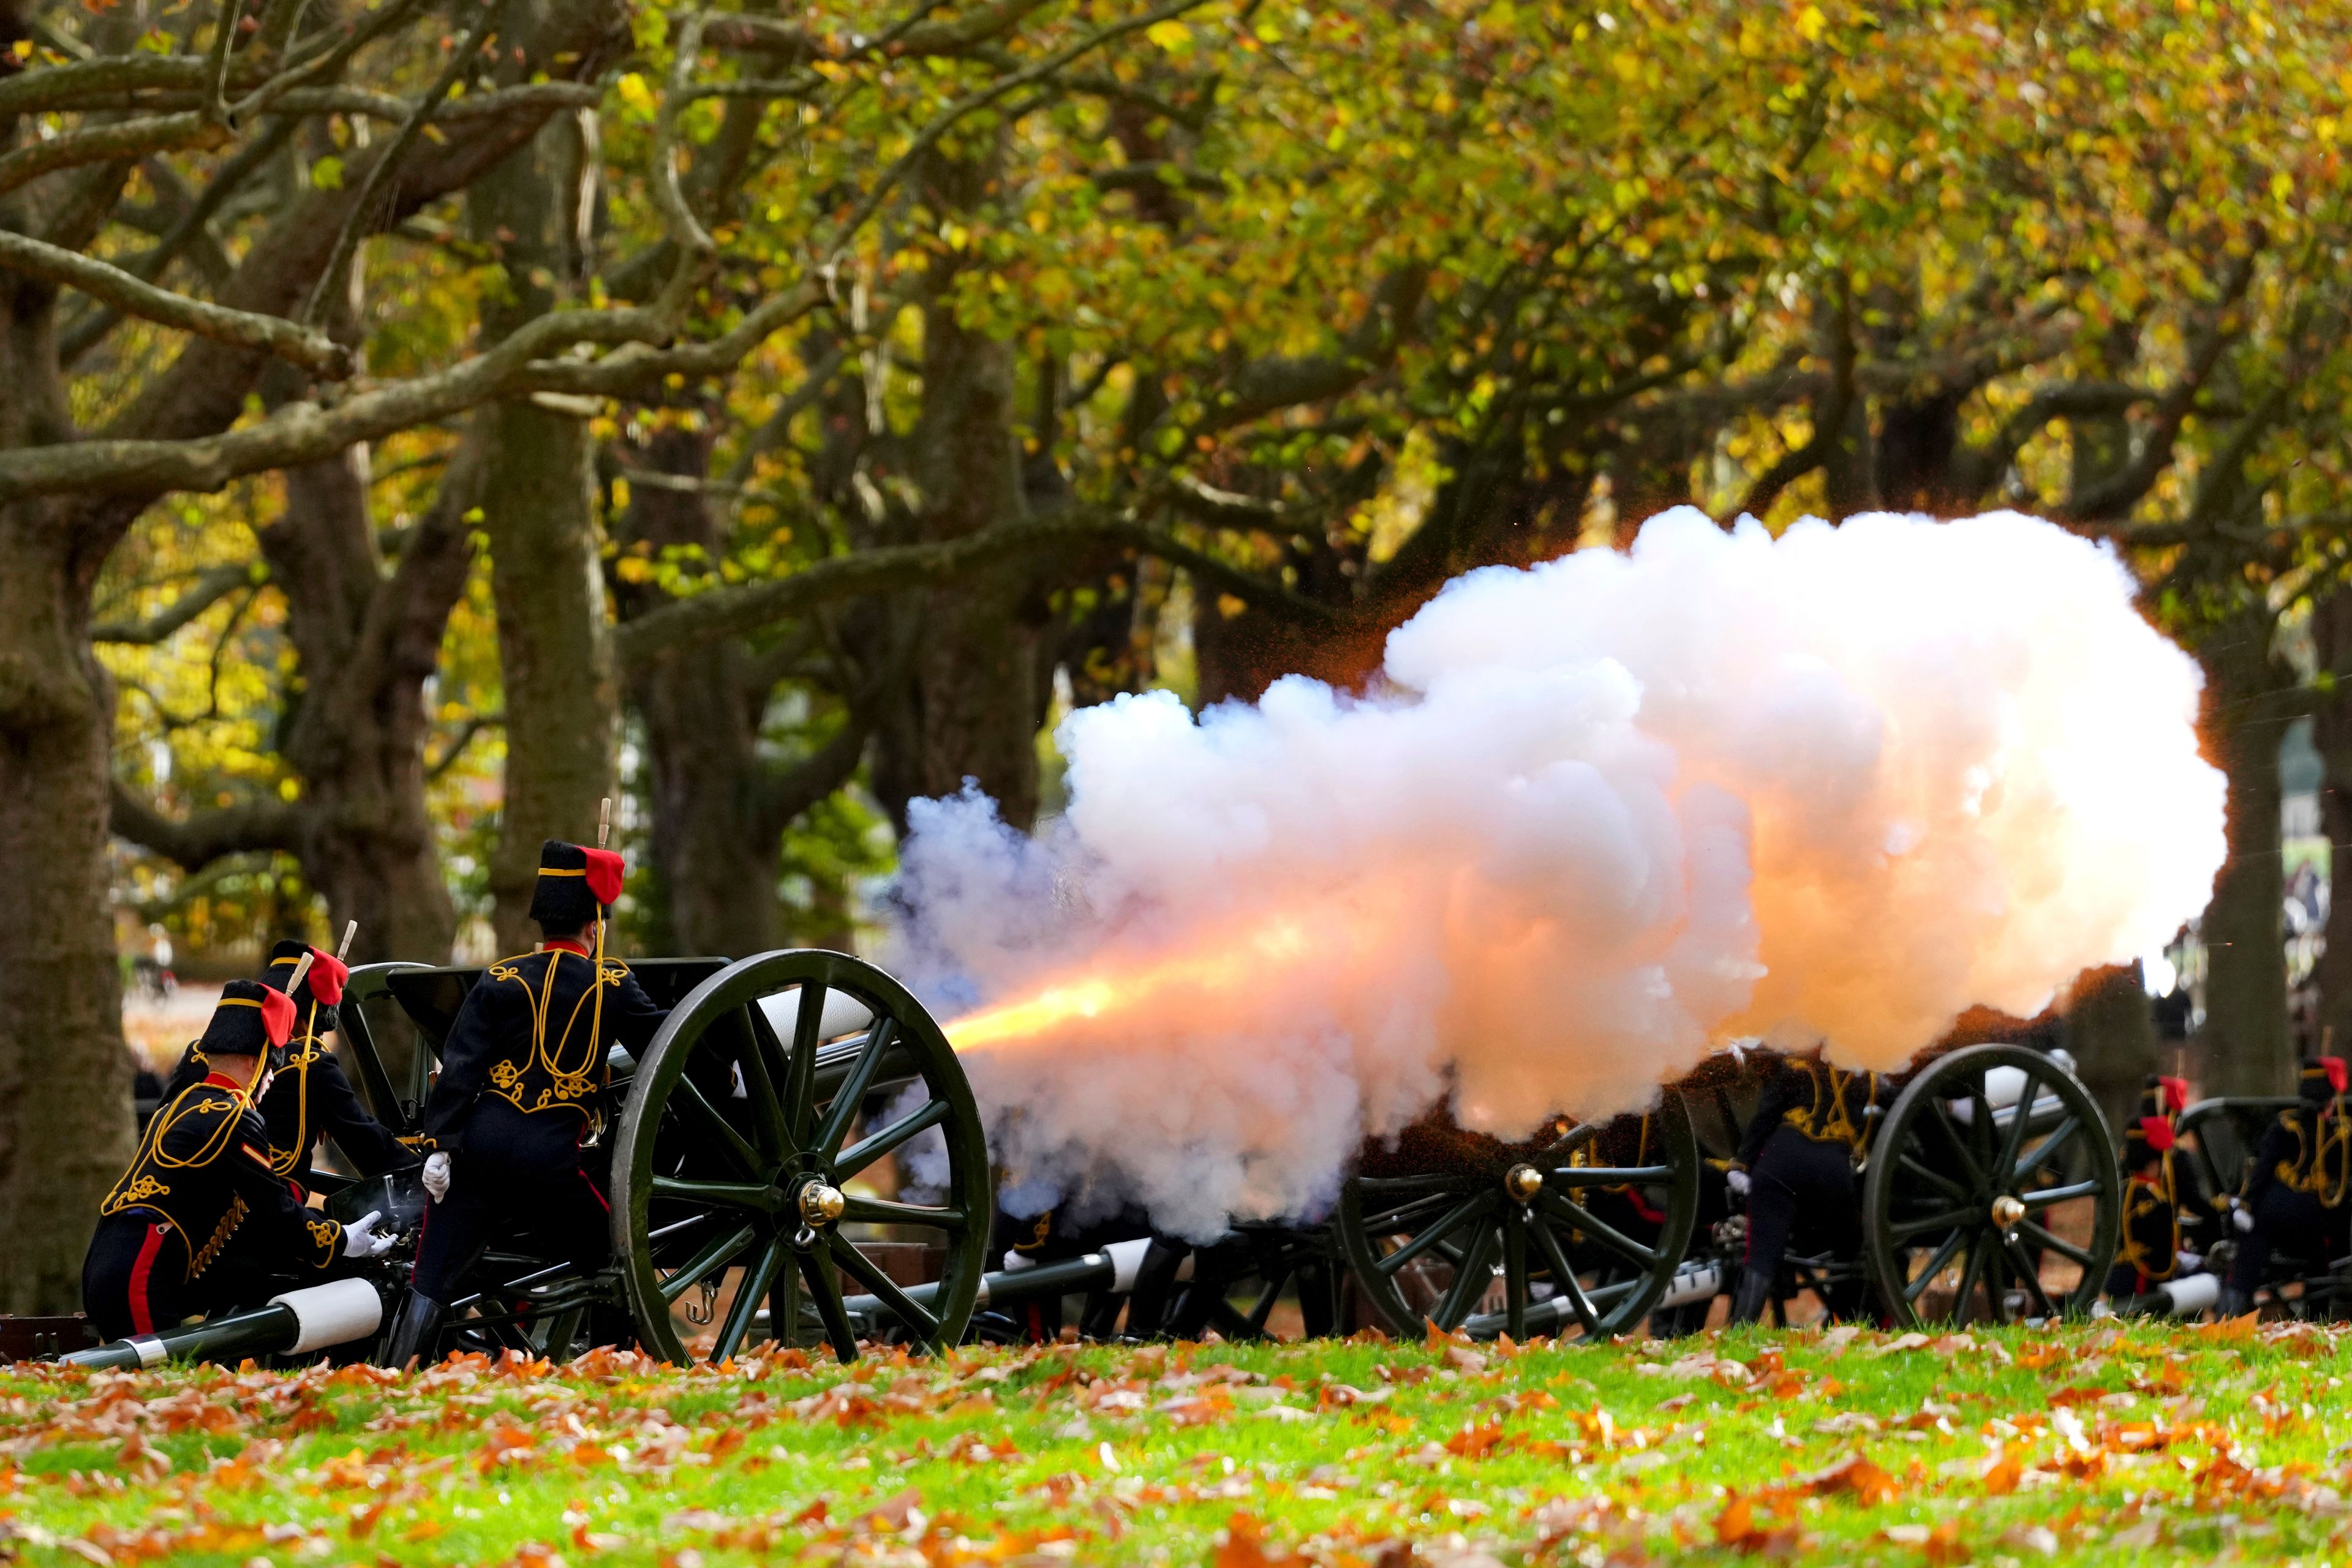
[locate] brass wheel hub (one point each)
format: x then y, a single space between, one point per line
2007 1211
1523 1182
820 1205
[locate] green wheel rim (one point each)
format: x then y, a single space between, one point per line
742 1127
1966 1198
1457 1223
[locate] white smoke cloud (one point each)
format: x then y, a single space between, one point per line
1593 819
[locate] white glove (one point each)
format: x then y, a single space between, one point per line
1737 1181
436 1175
361 1239
2244 1218
2189 1262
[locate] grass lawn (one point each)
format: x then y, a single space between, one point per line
2091 1443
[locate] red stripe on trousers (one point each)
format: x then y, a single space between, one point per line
142 1315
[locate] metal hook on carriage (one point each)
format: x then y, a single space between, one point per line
709 1308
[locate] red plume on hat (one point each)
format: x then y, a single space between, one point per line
604 869
2176 1092
327 975
277 1016
2158 1131
2334 1067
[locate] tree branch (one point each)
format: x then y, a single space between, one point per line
106 144
465 59
111 285
738 610
1280 382
209 589
206 836
2115 495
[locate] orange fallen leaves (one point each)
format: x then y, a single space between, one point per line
1855 1476
1737 1527
1243 1545
1475 1442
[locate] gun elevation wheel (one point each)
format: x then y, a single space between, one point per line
1577 1234
746 1159
1992 1192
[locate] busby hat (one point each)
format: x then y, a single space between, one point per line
252 1020
322 982
575 884
2322 1078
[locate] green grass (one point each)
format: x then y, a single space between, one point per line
2095 1443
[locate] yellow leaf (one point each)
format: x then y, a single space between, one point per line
327 173
1172 35
636 94
1810 23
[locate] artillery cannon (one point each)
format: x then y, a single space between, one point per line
743 1155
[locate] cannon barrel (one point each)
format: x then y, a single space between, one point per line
1112 1268
292 1324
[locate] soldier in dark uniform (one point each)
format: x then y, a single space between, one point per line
2153 1251
200 1222
2293 1194
520 1088
1796 1170
310 1098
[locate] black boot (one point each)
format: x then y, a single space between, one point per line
1755 1292
414 1330
2231 1303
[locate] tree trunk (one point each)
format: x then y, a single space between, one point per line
976 695
2245 1046
2332 629
562 701
555 654
65 1091
2111 1029
714 858
367 642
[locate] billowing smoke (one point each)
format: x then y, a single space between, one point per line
1592 819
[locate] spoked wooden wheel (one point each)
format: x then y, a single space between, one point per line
1238 1284
1992 1192
1516 1239
742 1158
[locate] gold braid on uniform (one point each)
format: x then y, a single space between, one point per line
575 1084
283 1161
139 1187
2331 1143
2141 1196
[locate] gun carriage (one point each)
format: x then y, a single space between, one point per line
2220 1137
749 1151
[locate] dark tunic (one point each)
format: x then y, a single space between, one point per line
308 1100
2294 1188
2151 1237
1811 1124
199 1218
1822 1103
522 1079
533 1034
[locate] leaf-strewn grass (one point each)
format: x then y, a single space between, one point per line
2099 1442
